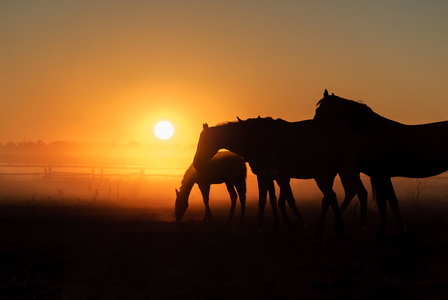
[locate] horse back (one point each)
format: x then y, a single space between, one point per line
225 166
296 149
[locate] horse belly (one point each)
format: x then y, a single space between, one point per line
310 166
414 151
229 176
403 166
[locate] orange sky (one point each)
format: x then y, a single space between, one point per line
108 71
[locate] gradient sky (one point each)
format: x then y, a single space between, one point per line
107 71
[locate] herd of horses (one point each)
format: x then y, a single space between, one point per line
344 138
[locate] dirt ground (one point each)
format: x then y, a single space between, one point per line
97 252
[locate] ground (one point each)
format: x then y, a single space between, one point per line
94 252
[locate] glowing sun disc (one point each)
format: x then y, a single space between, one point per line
164 130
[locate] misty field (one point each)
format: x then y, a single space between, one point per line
97 251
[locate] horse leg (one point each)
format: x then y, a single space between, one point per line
292 204
273 202
205 191
337 215
323 213
262 191
355 186
233 197
349 195
285 192
329 199
352 183
393 202
241 189
362 196
378 184
349 189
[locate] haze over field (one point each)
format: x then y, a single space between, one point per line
139 175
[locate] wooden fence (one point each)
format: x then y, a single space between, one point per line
50 171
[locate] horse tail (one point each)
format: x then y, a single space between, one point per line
245 170
373 191
245 177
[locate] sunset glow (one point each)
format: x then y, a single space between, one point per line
91 79
85 72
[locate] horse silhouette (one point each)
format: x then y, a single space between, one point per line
225 167
386 148
280 150
266 186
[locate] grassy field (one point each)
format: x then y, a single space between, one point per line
91 251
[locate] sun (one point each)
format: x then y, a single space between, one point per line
164 130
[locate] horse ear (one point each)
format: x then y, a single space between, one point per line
204 126
259 117
325 93
177 193
332 94
239 120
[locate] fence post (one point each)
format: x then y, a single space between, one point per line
142 173
48 173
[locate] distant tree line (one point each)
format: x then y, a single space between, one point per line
86 149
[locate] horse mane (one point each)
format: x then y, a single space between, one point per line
319 103
266 119
189 173
350 110
360 105
226 123
259 119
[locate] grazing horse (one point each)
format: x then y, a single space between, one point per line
280 150
386 148
226 167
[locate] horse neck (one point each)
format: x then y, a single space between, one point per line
378 123
190 178
366 120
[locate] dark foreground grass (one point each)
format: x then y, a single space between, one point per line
93 252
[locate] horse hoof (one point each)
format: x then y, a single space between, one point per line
319 230
379 240
318 234
293 226
402 239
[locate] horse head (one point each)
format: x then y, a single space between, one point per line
181 205
336 111
206 149
327 107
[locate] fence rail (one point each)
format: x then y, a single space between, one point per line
51 171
